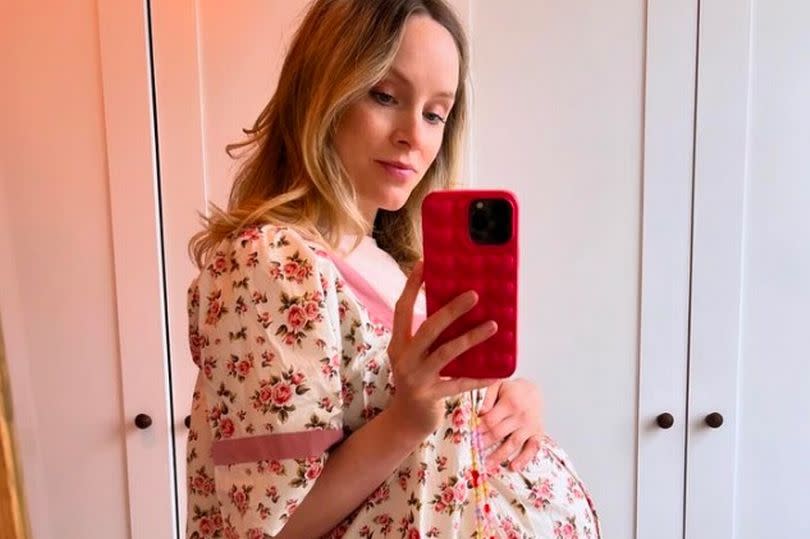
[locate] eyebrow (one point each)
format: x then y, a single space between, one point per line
398 74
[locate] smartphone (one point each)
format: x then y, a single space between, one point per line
470 242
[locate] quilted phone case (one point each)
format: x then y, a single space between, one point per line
470 240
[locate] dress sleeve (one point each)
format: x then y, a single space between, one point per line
269 319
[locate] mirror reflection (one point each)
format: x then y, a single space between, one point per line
406 268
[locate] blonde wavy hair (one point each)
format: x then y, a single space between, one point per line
292 174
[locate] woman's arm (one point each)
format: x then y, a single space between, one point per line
353 471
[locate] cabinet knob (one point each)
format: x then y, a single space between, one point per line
714 420
143 421
665 420
187 421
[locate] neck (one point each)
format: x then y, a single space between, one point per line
369 212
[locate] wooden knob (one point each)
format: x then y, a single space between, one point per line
714 420
187 421
665 420
143 421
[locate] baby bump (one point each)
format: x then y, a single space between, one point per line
546 497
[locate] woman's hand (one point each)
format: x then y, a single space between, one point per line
419 391
512 416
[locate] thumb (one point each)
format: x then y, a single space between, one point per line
489 399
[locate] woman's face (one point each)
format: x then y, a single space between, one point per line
388 139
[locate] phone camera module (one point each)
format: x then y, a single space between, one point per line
490 221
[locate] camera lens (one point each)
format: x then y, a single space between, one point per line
490 221
480 220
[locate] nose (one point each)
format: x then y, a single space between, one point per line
409 129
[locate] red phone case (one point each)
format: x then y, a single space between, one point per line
455 263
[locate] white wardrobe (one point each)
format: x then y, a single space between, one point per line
660 153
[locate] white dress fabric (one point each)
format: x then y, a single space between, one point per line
291 343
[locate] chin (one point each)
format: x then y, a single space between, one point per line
392 201
391 205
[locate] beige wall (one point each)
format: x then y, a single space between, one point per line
58 297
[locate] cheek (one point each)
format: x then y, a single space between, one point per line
358 132
434 147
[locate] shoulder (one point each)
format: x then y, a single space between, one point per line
283 252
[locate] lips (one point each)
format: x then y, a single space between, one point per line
397 171
398 165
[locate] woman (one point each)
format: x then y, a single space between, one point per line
318 410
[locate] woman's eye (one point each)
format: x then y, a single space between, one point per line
383 98
434 118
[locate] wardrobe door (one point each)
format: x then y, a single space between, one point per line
747 465
558 117
665 260
124 48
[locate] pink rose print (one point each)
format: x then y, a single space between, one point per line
240 498
542 493
250 234
403 476
460 492
314 470
276 395
196 343
290 270
452 496
265 394
296 317
219 265
458 419
281 394
201 483
565 530
298 323
207 527
226 428
308 470
208 367
215 308
380 495
312 309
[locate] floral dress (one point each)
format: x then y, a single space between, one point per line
291 341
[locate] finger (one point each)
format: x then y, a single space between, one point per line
451 388
403 310
441 320
509 447
452 349
490 436
496 415
489 399
529 451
